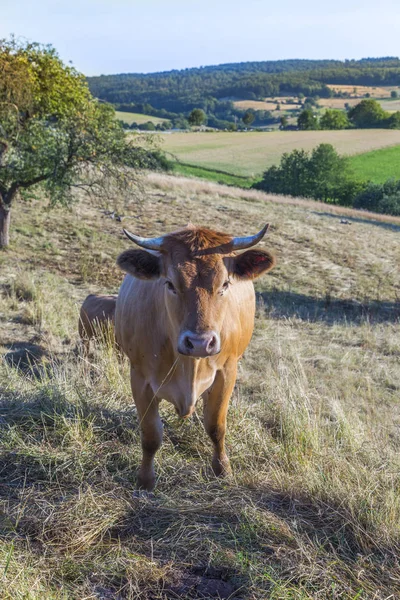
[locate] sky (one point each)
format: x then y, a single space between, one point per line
126 36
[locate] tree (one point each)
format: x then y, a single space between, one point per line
248 117
367 114
334 119
323 175
394 94
393 121
307 120
53 134
284 121
197 117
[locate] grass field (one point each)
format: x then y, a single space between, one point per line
361 90
213 175
269 104
137 118
248 154
378 165
312 511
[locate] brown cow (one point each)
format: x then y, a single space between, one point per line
184 316
96 315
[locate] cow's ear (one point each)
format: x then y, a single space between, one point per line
140 264
252 264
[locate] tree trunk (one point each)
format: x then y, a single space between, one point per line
5 214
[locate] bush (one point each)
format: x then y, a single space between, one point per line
148 126
381 198
334 119
390 205
307 120
368 113
321 174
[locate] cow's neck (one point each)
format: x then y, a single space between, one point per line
185 380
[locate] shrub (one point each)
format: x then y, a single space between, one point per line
322 175
381 198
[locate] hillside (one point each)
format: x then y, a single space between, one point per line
250 153
138 118
180 91
312 511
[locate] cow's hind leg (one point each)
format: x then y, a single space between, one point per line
216 402
150 430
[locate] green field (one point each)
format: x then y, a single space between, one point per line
248 154
137 118
213 175
378 165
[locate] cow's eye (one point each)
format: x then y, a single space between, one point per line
226 285
170 286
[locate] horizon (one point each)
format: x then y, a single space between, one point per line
206 66
101 37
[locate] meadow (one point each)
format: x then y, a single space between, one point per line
289 104
378 165
138 118
312 511
248 154
286 103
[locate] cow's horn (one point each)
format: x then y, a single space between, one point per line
149 243
240 243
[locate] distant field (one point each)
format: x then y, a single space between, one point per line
360 90
249 154
338 102
268 104
386 103
390 105
378 165
137 118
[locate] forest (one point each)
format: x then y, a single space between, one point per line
172 93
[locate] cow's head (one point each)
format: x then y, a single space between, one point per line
199 269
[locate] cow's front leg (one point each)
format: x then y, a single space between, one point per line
150 430
216 402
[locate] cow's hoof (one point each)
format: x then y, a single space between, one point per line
143 494
221 466
146 481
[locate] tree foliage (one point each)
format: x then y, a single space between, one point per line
53 133
197 117
175 93
321 174
307 120
248 117
324 175
368 114
334 119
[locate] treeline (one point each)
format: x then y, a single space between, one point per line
181 91
219 114
367 114
324 175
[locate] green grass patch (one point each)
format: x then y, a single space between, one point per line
138 118
213 175
378 165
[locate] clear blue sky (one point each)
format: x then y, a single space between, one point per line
117 36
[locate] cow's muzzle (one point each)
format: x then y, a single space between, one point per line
199 345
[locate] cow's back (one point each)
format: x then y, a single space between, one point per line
96 310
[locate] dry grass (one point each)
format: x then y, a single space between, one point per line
131 117
313 508
361 90
268 104
250 153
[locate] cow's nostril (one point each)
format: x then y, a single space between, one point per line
212 342
188 343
